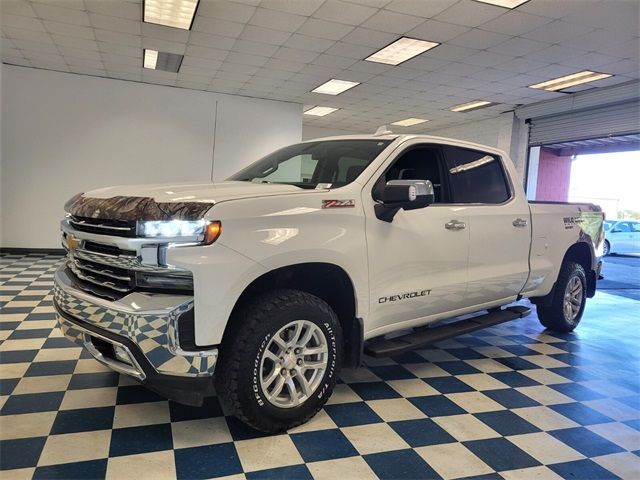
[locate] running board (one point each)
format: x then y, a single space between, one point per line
385 347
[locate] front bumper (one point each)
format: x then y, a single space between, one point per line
137 336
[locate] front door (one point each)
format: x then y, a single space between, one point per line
417 262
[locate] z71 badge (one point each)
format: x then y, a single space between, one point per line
338 203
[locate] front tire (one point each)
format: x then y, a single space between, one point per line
280 360
569 299
607 248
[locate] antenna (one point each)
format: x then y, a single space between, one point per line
382 130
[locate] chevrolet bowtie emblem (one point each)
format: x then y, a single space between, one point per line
72 242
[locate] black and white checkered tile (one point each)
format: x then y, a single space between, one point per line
508 402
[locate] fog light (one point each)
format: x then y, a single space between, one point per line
121 354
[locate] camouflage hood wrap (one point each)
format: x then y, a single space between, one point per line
134 208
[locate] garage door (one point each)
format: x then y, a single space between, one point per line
606 112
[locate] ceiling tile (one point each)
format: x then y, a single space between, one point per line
203 52
370 38
266 35
124 50
20 33
451 52
303 42
332 60
515 23
352 51
479 39
215 26
284 65
518 47
306 7
392 22
323 29
115 24
64 15
426 9
236 12
68 29
590 61
25 23
17 7
557 31
254 48
469 13
118 38
164 46
435 31
286 22
295 55
343 12
211 41
75 42
246 59
555 53
521 65
165 33
115 8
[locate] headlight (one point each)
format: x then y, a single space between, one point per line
195 230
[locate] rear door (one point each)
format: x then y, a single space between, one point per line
499 225
635 231
622 237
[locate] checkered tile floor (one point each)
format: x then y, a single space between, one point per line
508 402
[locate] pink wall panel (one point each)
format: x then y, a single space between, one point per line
554 176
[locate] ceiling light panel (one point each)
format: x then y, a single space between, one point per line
170 13
504 3
409 122
465 107
401 50
320 111
572 80
150 58
167 62
335 87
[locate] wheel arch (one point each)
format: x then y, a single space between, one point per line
327 281
581 253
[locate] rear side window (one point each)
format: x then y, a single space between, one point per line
476 177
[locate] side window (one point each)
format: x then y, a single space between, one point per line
622 227
420 163
476 177
635 226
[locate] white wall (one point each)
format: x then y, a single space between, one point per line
65 133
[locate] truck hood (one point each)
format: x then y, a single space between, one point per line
197 192
167 201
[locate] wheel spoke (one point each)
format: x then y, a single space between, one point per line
291 387
295 335
304 384
305 339
314 365
269 380
279 341
277 389
314 350
271 356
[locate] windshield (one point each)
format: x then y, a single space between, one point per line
333 162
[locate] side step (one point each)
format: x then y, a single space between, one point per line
383 347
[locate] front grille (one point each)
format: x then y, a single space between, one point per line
107 282
102 226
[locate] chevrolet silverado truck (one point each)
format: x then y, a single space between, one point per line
262 287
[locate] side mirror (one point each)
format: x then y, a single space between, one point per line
405 194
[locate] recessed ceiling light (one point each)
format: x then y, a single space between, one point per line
572 80
470 106
401 50
505 3
150 58
170 13
320 111
168 62
335 87
408 122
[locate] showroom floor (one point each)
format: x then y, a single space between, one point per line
511 399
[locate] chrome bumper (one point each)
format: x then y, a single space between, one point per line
146 320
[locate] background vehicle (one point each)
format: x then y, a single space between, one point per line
621 236
280 276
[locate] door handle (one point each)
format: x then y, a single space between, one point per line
455 225
520 223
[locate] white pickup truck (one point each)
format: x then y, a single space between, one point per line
262 287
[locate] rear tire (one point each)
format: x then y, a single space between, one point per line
266 375
569 299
